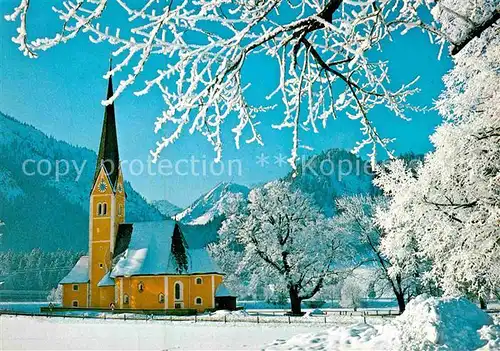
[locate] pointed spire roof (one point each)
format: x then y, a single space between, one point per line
108 147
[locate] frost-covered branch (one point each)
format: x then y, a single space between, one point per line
320 47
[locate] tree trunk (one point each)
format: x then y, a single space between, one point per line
295 300
482 303
401 302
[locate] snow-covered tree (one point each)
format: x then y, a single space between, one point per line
55 295
351 294
330 292
321 48
357 218
285 240
450 206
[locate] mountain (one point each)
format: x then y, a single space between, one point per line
166 208
208 207
331 174
41 209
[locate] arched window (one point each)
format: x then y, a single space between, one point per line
104 209
198 300
161 298
178 290
199 281
74 303
140 286
125 299
99 209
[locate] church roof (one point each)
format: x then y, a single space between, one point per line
108 147
79 273
158 248
223 291
106 281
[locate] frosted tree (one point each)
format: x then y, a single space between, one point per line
55 295
450 205
321 49
357 218
285 241
351 294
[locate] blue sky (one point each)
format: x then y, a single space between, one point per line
60 93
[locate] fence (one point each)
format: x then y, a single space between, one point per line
258 318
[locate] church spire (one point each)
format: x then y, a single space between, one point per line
108 147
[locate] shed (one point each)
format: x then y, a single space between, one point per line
224 298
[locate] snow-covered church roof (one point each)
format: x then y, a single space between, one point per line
79 273
223 291
151 251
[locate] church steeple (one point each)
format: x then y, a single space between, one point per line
108 147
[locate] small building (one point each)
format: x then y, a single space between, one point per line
224 299
147 265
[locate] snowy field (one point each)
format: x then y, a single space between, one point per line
40 333
428 324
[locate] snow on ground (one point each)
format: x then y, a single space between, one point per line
427 324
41 333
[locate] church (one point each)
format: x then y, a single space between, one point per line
145 265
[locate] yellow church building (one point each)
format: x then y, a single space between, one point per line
145 265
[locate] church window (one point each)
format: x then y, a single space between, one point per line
125 299
140 286
199 281
102 208
75 287
101 265
120 210
198 300
74 303
161 298
178 291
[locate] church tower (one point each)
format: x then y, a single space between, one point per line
107 208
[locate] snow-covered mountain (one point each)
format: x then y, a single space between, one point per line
331 174
166 208
208 206
40 210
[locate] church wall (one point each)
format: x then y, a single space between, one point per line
147 299
106 296
69 295
153 286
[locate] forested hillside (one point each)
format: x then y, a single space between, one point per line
41 211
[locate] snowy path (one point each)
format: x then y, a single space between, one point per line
41 333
